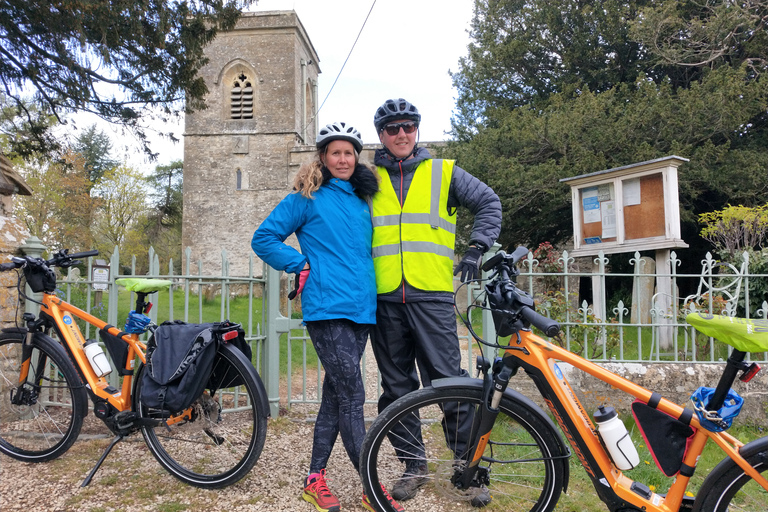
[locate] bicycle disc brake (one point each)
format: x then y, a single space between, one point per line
23 396
446 474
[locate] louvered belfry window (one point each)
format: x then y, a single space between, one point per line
241 98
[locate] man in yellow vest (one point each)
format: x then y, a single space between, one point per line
414 231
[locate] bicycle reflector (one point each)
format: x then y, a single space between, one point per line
136 323
229 335
716 421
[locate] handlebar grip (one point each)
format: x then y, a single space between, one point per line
546 325
85 254
493 261
7 266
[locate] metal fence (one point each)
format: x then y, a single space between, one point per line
631 326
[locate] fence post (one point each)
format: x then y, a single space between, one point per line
489 329
272 347
35 248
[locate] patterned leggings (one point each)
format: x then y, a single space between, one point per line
340 345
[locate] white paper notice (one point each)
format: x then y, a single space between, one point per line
631 191
590 205
608 214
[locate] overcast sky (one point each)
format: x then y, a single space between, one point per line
405 50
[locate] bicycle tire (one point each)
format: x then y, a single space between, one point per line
728 488
530 475
49 420
216 448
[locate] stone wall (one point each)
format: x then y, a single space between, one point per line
12 237
675 382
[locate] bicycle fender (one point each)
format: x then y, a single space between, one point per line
756 447
263 402
468 382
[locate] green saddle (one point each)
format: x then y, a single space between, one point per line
139 285
744 334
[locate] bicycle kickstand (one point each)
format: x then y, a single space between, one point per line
116 440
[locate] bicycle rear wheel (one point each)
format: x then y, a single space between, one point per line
525 468
40 420
731 489
223 438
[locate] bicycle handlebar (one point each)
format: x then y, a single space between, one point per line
546 325
60 259
516 302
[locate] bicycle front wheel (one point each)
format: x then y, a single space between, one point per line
524 468
42 417
221 438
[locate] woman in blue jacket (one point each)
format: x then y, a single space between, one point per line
330 214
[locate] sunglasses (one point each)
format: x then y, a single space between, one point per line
394 128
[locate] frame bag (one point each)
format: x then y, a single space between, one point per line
667 437
180 360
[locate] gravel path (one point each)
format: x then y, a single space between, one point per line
131 480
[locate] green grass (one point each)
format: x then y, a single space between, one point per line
200 310
581 495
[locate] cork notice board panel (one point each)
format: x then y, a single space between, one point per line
644 213
598 214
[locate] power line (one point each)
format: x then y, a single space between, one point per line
342 67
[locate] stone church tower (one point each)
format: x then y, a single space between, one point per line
241 153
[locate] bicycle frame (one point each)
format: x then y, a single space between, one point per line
539 359
61 316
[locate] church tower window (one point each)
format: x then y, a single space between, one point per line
241 98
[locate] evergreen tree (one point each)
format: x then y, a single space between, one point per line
115 59
580 89
96 148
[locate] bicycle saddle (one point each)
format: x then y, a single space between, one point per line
744 334
135 284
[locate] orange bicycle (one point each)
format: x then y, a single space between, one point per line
462 435
45 385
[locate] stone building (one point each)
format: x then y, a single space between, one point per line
240 154
12 236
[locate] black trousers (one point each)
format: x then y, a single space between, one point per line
423 334
339 345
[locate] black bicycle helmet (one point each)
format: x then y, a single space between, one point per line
339 131
394 109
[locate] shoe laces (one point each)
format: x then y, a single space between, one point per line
319 486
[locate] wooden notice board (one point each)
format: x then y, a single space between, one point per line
646 219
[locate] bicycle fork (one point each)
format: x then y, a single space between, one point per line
484 419
24 394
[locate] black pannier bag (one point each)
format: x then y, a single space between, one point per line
180 359
222 375
667 437
118 350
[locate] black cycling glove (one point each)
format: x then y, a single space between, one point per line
469 266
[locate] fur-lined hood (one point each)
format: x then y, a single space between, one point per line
364 180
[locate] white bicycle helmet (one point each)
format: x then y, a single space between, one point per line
394 109
339 131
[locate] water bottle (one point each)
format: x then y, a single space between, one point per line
97 358
616 438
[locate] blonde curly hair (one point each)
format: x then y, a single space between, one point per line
310 177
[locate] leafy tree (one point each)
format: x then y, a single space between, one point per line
579 94
736 228
121 203
59 211
114 59
95 146
162 224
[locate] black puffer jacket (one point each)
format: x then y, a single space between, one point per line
465 190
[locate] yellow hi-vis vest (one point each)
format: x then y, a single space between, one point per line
417 241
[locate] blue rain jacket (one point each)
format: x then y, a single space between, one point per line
334 231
